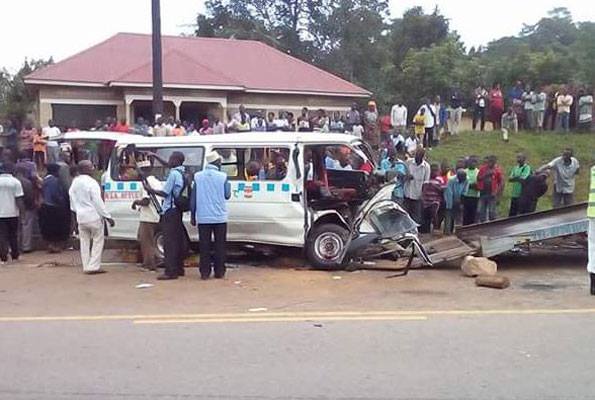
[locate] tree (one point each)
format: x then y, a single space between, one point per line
16 100
283 24
584 51
435 70
352 41
417 30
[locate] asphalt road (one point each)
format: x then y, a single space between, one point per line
300 356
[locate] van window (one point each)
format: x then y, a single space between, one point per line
124 163
254 163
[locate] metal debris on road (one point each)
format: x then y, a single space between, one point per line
144 285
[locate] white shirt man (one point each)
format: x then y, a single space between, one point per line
411 144
149 219
51 131
398 117
11 191
86 202
429 115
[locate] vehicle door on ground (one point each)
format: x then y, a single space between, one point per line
266 204
124 184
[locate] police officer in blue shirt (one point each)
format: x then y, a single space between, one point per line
174 237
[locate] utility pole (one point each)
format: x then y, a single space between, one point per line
157 60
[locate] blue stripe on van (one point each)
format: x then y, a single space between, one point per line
120 186
241 186
107 186
256 187
285 187
270 187
133 186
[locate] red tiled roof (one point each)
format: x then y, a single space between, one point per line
125 59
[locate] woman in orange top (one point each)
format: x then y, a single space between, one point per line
39 148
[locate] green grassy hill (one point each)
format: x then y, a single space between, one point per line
539 148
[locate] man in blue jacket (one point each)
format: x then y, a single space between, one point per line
207 205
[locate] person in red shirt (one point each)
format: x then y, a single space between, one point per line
490 183
385 129
122 126
496 106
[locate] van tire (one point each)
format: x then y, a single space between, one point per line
324 246
158 245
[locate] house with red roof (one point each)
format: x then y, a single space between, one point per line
201 77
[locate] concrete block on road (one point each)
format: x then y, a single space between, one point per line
493 281
474 266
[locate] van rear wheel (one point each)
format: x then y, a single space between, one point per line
325 246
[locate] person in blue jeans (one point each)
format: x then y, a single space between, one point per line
208 208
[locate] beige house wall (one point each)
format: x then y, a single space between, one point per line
221 103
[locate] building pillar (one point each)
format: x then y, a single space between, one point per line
177 104
128 112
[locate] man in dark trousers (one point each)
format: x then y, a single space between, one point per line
208 209
174 237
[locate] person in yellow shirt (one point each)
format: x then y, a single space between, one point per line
419 123
40 143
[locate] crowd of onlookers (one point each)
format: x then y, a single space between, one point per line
532 108
442 195
435 195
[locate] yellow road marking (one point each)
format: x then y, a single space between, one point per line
297 314
280 319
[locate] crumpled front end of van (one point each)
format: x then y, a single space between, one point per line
384 228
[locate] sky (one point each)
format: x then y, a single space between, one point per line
60 28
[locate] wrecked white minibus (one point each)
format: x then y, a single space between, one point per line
313 191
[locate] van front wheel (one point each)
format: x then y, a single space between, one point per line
325 246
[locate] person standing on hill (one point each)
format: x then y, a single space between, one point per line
471 195
517 175
539 109
528 103
418 174
496 105
456 187
490 183
479 111
585 111
398 118
455 113
564 102
565 169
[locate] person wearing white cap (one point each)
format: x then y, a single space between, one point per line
208 209
149 209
